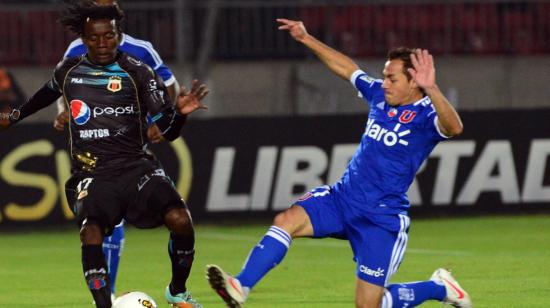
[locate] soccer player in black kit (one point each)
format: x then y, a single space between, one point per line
109 94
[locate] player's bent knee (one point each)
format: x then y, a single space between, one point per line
293 220
368 295
178 220
91 234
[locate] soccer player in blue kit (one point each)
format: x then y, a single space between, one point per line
113 245
408 116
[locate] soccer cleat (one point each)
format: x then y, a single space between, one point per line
181 300
227 287
456 295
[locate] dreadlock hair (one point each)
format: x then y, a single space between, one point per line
404 54
77 13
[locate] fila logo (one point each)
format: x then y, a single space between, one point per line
390 138
407 116
76 80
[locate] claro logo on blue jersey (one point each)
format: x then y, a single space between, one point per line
80 111
389 137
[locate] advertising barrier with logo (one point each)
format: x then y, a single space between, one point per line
250 167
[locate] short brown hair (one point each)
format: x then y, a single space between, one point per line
404 54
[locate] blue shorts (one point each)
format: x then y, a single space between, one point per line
378 241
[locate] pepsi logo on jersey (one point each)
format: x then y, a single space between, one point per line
81 112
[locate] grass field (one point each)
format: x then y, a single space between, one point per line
501 261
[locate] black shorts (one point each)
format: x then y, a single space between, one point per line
142 196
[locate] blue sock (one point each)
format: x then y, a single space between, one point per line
112 249
412 294
265 256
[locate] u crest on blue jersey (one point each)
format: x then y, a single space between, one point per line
114 84
407 116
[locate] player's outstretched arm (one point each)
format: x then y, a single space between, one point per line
423 74
41 99
336 61
7 117
188 101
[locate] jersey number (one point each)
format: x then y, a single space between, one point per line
83 185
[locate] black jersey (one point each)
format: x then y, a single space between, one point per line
108 106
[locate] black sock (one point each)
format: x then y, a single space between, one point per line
95 273
181 249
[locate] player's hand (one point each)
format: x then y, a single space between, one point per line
423 72
189 101
4 120
5 113
296 28
154 135
61 120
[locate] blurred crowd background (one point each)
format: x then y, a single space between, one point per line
492 54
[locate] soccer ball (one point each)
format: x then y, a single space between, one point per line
134 300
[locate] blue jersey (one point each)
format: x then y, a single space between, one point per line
395 143
139 49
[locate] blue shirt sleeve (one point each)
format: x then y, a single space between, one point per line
144 51
369 88
76 51
431 128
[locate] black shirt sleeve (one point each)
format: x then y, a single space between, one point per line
154 94
49 93
41 99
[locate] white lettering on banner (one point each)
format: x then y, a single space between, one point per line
289 175
449 154
533 189
496 154
263 178
493 171
218 198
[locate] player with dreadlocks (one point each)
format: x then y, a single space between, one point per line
109 94
113 245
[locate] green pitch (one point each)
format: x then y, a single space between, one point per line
500 261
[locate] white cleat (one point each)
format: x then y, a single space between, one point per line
456 295
227 287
